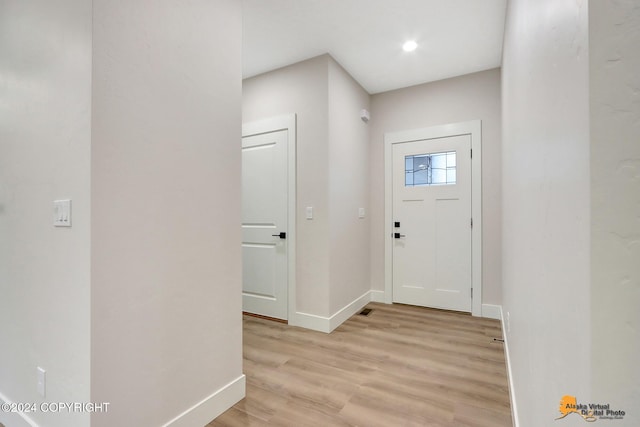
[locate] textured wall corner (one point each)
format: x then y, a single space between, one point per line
614 36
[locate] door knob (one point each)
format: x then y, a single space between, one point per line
398 235
282 235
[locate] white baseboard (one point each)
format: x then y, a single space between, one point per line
203 412
492 311
328 324
512 393
17 419
349 310
377 296
311 321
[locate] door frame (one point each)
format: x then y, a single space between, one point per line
273 124
474 129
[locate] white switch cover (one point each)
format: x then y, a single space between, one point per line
41 381
309 212
361 213
62 213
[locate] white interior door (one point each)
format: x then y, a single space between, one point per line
265 223
432 222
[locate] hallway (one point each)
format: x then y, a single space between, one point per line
401 365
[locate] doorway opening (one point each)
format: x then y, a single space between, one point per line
433 217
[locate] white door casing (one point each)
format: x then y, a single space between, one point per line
438 260
268 200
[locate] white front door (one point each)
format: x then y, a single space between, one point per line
431 245
265 230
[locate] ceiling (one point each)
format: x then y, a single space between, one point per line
455 37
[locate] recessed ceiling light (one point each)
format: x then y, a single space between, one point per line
409 46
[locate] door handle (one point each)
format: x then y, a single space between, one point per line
398 235
282 235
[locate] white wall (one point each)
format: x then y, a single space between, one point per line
348 188
470 97
45 106
302 88
166 328
546 221
614 38
332 172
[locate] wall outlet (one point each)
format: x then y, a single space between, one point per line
42 382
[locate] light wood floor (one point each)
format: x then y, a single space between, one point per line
400 366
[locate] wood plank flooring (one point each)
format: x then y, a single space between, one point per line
399 366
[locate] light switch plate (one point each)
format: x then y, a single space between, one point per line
309 212
62 213
361 213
